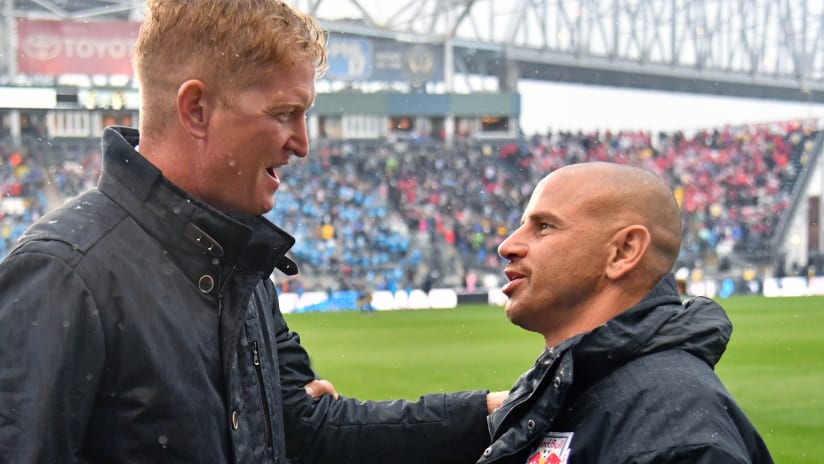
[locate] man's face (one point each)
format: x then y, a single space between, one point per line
254 134
556 257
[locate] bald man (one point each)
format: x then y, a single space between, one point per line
627 373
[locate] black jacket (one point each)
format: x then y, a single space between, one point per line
639 389
140 325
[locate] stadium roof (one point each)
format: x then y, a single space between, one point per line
76 9
771 49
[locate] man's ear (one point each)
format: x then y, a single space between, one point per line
193 108
629 245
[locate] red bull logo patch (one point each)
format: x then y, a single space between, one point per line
552 449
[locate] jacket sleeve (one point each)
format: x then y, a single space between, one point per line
438 428
51 356
697 454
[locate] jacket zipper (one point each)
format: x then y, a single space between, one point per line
267 425
220 291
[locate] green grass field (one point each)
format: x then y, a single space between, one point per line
774 365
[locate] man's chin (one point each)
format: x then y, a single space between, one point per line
255 210
262 210
516 316
510 312
264 205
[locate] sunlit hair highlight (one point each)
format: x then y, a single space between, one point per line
227 44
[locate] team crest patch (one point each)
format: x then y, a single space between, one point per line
552 449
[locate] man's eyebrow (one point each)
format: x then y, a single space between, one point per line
286 105
540 216
291 104
281 107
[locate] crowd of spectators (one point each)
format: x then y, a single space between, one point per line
733 183
22 198
31 184
397 214
336 204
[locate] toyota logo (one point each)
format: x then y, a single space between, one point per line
42 47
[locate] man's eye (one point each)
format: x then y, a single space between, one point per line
282 116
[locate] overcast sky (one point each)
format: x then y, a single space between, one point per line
574 107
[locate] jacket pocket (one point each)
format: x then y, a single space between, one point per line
264 403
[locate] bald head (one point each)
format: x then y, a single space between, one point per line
593 240
621 195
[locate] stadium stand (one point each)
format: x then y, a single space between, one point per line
35 180
393 215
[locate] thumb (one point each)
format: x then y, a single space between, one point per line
310 389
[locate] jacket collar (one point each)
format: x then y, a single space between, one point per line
657 323
184 225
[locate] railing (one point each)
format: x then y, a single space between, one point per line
797 194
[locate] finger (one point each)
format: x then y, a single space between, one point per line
318 388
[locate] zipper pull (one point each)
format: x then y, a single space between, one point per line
255 354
